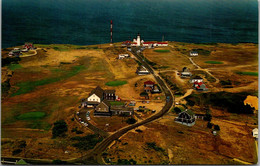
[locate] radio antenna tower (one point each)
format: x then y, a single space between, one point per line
111 32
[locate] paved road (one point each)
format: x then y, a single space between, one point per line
82 115
95 154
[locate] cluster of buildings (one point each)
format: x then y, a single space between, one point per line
151 87
17 51
138 42
197 81
101 100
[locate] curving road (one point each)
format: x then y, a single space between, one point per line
95 154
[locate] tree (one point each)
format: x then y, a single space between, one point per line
208 116
216 127
130 120
177 110
58 162
209 125
59 129
23 146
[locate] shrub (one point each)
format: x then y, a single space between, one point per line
86 142
209 125
208 117
59 129
216 127
177 110
58 162
79 132
126 162
152 145
16 151
131 121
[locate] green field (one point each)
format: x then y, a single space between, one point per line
31 115
25 87
161 51
213 62
14 66
247 73
116 83
116 103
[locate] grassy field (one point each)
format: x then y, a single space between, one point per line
31 115
161 51
116 103
116 83
247 73
214 62
14 66
25 87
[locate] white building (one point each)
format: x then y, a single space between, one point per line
194 53
196 79
186 74
122 56
95 97
162 44
141 70
138 40
255 132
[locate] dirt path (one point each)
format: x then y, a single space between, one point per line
35 53
188 92
241 161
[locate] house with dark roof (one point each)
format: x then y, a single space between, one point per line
109 95
103 109
196 79
186 117
122 110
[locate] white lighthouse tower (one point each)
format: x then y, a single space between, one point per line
138 40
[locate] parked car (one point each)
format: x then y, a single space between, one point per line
85 124
88 118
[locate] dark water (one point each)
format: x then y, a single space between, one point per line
86 22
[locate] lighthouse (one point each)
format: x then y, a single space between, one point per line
138 39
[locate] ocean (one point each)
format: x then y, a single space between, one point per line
86 22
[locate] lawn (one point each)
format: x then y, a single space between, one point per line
116 83
161 51
14 66
116 103
247 73
25 87
31 115
213 62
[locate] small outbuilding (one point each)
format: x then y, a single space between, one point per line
255 133
194 53
196 79
141 70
